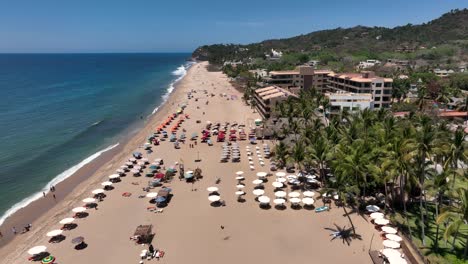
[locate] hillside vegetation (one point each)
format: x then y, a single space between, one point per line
440 42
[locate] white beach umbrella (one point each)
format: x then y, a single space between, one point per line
135 171
257 182
123 168
282 180
277 184
263 199
262 174
240 186
67 221
132 159
381 221
145 160
250 158
128 163
239 173
37 250
89 200
295 200
212 189
240 193
308 193
390 252
252 168
280 194
257 147
389 230
151 194
294 194
376 215
308 201
394 237
372 208
251 162
391 244
137 168
120 171
240 178
55 232
280 174
258 192
97 191
397 260
214 198
114 176
106 183
79 209
279 201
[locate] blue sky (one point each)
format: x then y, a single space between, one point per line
182 25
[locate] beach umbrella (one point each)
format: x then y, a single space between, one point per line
114 176
280 174
257 182
263 199
106 183
67 221
160 199
381 221
137 168
389 230
251 162
240 193
240 186
252 168
132 159
258 192
37 250
141 163
294 194
261 174
78 240
214 198
308 193
54 233
212 189
282 180
376 215
295 200
277 184
128 163
279 201
391 244
394 237
120 171
372 208
135 171
78 209
239 178
47 260
97 191
151 195
144 160
397 260
239 173
390 252
280 194
308 201
89 200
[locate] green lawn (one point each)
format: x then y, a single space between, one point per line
444 254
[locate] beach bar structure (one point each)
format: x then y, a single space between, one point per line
267 98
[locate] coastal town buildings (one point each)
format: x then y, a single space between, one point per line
303 77
267 98
345 101
368 64
443 73
365 82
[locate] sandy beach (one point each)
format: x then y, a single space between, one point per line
189 229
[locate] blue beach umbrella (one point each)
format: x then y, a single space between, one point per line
160 199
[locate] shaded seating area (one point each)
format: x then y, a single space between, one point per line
143 234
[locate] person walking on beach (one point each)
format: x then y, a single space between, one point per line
43 193
1 234
54 196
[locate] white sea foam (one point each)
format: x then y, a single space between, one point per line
180 72
59 178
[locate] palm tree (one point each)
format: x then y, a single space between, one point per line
319 153
458 217
298 155
426 142
457 151
383 170
281 154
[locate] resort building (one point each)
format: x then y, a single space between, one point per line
443 73
303 77
267 98
368 64
340 101
366 82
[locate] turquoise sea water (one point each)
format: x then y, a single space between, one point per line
57 110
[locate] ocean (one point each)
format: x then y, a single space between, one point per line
58 112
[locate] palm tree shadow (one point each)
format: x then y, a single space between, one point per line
346 234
